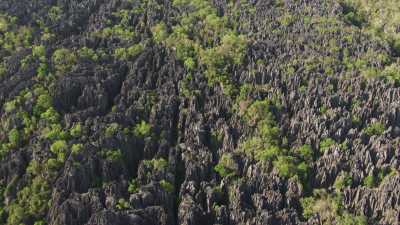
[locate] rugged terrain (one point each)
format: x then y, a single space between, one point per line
199 112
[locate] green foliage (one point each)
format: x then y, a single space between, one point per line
286 166
59 148
50 115
40 222
349 219
111 130
76 130
265 145
122 204
117 31
10 106
88 53
128 53
55 14
32 202
17 39
43 103
157 164
63 60
113 155
376 128
76 148
269 154
160 33
133 186
54 132
369 181
353 16
230 52
14 138
342 181
306 153
325 144
226 166
307 205
212 45
374 179
329 209
53 164
39 52
167 186
142 129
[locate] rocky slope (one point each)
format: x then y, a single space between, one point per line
196 112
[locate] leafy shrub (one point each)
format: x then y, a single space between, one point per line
343 180
306 153
349 219
53 164
128 53
142 129
54 132
133 186
76 130
225 166
39 51
122 204
88 53
10 106
259 110
113 155
112 129
14 137
167 186
55 14
286 166
307 205
370 181
268 154
50 115
376 128
32 202
325 144
160 33
63 60
76 148
43 103
118 31
157 164
59 148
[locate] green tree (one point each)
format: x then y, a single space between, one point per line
142 129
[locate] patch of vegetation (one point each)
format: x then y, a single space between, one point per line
167 186
374 179
133 186
342 181
112 129
128 53
76 148
329 208
376 128
326 143
226 166
142 129
266 143
31 202
112 155
122 204
76 130
63 60
213 44
157 164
